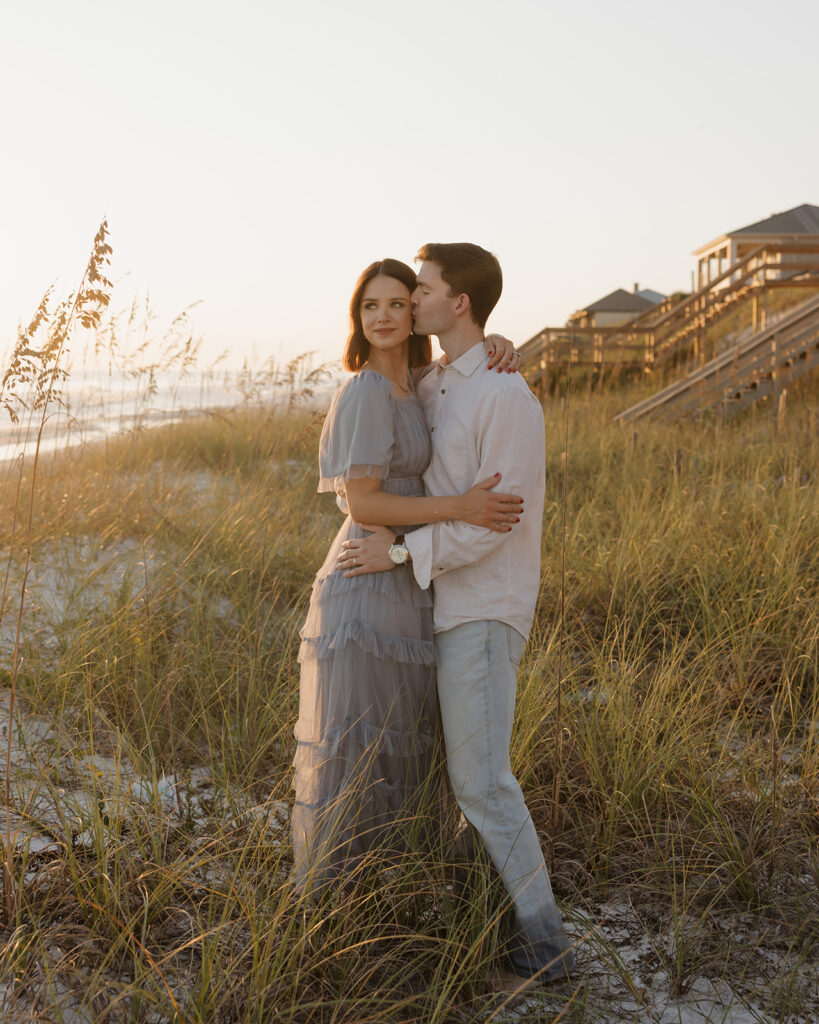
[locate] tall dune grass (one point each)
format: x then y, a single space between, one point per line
180 561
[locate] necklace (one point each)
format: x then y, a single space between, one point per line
401 386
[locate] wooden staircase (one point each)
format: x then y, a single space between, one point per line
678 334
758 368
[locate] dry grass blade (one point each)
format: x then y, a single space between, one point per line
148 781
40 370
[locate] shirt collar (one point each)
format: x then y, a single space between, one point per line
467 363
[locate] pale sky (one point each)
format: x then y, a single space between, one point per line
255 156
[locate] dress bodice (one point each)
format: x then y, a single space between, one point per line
369 432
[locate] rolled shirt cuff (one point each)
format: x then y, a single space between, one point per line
419 545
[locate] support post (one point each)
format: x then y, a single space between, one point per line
775 389
780 409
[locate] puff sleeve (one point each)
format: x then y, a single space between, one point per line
358 434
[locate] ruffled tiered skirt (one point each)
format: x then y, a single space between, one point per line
367 716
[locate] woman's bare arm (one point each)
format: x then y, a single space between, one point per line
479 506
500 352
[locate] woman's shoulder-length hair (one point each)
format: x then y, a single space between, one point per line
357 350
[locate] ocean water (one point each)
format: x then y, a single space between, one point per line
99 404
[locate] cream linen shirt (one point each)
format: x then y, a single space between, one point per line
481 422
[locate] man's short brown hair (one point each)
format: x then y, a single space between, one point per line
468 270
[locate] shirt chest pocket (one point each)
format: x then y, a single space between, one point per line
455 445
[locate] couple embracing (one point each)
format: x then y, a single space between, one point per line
406 442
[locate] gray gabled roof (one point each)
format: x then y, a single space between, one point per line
801 220
619 301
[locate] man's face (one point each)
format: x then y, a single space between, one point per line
432 305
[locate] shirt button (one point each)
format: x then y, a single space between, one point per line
432 430
443 391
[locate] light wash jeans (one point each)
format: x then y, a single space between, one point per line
477 683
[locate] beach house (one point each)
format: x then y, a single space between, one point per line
796 227
616 308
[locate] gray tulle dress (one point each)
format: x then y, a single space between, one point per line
367 707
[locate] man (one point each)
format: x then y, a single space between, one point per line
486 583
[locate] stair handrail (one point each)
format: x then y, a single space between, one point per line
651 320
738 351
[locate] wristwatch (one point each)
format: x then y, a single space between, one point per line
399 552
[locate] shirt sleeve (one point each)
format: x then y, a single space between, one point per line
357 436
510 437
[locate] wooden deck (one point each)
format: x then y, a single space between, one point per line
670 331
679 338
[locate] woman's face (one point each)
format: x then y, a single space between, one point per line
386 318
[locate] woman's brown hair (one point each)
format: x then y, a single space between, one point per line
357 349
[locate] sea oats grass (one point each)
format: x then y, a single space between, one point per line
157 688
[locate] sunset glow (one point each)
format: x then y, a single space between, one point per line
256 157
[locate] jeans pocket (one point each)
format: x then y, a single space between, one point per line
517 645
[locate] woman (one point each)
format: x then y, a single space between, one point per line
367 707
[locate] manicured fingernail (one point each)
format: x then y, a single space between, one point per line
518 519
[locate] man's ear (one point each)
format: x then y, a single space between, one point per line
463 306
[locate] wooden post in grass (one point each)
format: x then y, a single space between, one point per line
775 390
780 409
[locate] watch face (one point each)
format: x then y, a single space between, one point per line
398 554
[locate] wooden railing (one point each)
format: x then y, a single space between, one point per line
673 331
759 367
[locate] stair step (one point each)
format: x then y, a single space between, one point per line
746 370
